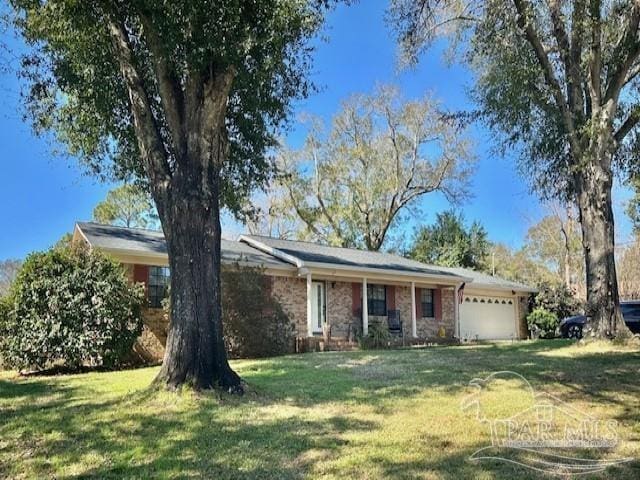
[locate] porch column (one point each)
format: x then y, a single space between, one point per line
414 326
309 314
365 308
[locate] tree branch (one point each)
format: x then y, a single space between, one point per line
629 124
595 63
523 21
149 139
171 94
630 44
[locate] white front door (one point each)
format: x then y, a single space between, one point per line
318 306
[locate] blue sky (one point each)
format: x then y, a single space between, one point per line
43 195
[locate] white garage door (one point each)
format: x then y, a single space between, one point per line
487 318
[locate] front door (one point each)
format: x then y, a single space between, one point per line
318 306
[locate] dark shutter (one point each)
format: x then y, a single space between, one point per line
391 297
356 299
141 275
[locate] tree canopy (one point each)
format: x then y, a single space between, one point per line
450 243
351 185
187 97
558 82
127 206
76 86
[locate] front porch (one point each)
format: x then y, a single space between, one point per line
342 310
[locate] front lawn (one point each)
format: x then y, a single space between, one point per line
372 414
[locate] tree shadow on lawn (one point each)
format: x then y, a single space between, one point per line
507 464
381 377
50 428
57 436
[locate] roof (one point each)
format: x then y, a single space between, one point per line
271 252
140 241
313 253
480 280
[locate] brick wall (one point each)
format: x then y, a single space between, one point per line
292 295
427 328
150 345
339 308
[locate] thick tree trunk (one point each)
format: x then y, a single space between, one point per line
195 352
596 219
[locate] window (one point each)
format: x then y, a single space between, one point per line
158 285
377 300
426 298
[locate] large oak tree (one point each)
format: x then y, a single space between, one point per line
559 79
187 95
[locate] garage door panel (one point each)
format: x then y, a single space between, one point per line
487 318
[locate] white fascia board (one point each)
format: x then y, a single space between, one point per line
77 228
272 251
163 258
369 271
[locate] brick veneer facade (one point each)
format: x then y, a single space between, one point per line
291 292
343 307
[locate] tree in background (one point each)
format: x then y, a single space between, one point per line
8 271
273 216
450 243
350 186
188 97
127 206
559 79
555 242
518 266
633 206
628 270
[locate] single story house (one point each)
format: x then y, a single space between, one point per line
338 291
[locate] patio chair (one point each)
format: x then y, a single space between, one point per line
395 324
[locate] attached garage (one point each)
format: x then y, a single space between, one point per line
488 318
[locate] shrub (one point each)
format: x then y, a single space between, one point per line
70 307
557 298
5 309
544 321
255 325
377 337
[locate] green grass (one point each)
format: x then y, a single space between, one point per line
372 414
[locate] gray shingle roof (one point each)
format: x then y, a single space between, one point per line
315 253
149 242
485 280
145 242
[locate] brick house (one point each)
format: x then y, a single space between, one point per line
335 292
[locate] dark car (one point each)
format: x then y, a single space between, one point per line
571 327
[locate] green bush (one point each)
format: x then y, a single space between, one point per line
5 309
70 307
557 298
543 320
255 325
377 337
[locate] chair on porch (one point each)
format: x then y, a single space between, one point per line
395 324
